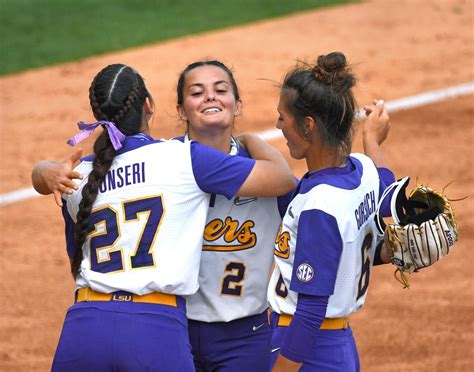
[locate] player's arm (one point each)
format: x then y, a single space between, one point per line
375 132
271 175
382 253
301 334
56 177
319 246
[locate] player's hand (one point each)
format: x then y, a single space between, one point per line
58 176
285 365
377 124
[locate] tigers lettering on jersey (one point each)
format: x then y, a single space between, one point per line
365 209
232 231
130 174
282 241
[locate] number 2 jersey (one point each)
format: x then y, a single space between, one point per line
145 228
326 243
237 255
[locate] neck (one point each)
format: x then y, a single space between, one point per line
145 129
320 158
218 139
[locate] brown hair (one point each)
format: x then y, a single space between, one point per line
323 91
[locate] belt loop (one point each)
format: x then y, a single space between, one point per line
345 324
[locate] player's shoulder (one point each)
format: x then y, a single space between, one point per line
130 143
328 185
360 157
361 161
164 145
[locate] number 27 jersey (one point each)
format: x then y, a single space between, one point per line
145 227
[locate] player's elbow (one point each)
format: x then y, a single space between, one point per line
268 184
287 184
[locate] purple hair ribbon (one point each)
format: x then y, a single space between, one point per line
116 136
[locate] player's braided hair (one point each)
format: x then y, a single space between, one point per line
324 92
117 94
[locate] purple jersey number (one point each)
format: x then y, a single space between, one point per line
152 207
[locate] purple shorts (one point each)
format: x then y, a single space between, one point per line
333 350
240 345
124 336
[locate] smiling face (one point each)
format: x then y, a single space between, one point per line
208 103
297 145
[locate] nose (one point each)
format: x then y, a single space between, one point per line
210 96
278 124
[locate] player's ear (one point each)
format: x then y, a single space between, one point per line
181 113
238 107
309 126
149 106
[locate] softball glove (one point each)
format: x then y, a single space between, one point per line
424 228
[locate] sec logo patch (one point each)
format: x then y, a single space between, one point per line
304 272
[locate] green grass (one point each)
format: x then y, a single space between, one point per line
36 33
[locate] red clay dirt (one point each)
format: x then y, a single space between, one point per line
398 48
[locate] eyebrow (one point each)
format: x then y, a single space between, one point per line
216 83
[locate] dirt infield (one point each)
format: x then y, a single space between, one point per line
399 48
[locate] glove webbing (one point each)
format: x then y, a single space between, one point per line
408 206
403 209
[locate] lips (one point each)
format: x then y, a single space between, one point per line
211 110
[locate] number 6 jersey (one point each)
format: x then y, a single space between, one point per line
327 240
145 228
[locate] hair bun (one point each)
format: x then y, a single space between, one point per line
333 62
327 65
332 70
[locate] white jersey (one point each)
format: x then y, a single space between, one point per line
237 256
145 229
327 241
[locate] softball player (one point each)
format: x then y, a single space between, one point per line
228 321
134 230
325 248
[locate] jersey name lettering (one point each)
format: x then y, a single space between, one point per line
365 209
123 176
241 235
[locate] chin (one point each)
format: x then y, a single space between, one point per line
296 155
216 124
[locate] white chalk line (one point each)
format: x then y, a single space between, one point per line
272 134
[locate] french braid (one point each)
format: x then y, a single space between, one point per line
116 94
